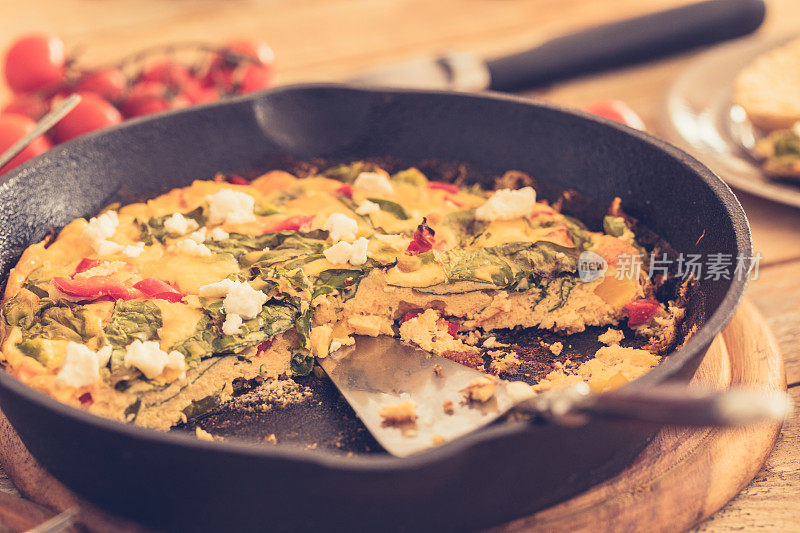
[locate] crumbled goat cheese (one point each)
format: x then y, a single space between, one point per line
133 250
152 360
232 324
231 207
191 247
216 290
81 365
178 224
359 255
108 248
199 236
367 207
218 234
341 227
100 228
243 300
373 182
507 204
344 252
519 391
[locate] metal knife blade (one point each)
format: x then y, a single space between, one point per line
595 49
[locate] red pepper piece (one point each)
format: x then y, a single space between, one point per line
95 287
641 311
345 190
449 187
423 239
452 327
408 316
263 347
86 264
160 290
237 180
85 398
295 223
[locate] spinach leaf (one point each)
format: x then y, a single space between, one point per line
47 318
132 320
302 363
201 406
391 207
614 226
341 280
411 175
542 258
348 173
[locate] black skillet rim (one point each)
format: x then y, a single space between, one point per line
670 366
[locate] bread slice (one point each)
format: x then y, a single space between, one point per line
769 88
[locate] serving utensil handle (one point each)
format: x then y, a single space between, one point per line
664 404
626 42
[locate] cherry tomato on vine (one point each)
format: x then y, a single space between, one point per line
110 83
242 66
13 128
148 97
28 105
170 73
34 62
92 113
255 77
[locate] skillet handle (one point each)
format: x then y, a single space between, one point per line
664 404
626 42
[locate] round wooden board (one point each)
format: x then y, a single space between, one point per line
681 478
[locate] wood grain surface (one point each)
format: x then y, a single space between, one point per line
331 39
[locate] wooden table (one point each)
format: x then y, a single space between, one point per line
329 39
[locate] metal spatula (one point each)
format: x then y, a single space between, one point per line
381 371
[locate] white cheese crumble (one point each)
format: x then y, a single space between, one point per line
191 247
243 300
230 207
177 224
367 208
99 230
507 204
216 290
199 236
133 250
218 234
81 365
343 252
373 182
232 324
152 360
341 227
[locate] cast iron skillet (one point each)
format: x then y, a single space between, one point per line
173 481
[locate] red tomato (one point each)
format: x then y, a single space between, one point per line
151 97
35 61
161 290
423 239
449 187
92 113
94 288
641 311
254 78
196 93
86 264
258 50
13 128
237 180
170 73
28 105
295 223
408 316
345 190
109 83
452 327
616 110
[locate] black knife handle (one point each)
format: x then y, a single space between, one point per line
626 42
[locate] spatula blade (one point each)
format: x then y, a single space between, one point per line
379 371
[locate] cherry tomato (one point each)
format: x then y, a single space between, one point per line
254 78
151 97
13 128
295 223
448 187
28 105
92 113
345 190
110 83
258 50
422 240
170 73
86 264
197 93
35 61
616 110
